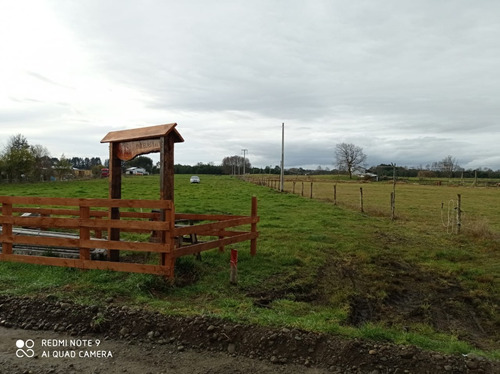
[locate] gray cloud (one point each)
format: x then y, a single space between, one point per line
408 81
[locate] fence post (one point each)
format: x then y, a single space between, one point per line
459 212
311 191
253 226
98 232
335 194
393 194
167 259
361 199
393 203
293 188
7 229
302 194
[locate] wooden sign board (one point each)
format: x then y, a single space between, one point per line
128 150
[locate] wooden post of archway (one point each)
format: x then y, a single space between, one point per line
124 145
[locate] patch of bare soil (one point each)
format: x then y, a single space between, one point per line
397 293
147 342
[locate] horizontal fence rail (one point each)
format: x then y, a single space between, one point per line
51 224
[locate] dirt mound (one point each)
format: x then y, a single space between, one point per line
281 347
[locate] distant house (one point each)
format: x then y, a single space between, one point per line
79 173
136 171
363 174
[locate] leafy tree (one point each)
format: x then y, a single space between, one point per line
94 161
349 157
18 160
63 167
43 163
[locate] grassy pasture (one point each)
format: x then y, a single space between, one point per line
318 266
427 206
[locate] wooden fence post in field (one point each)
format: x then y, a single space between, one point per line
311 191
253 226
335 194
459 212
361 199
302 194
393 205
393 194
293 187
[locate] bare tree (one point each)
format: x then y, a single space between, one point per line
349 157
448 165
232 164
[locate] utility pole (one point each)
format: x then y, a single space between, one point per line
282 176
244 162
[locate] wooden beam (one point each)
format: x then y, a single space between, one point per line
44 241
196 248
76 202
115 192
88 264
207 227
167 168
205 217
127 246
84 234
7 227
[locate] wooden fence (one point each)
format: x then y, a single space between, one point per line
90 218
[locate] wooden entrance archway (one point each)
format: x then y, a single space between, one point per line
124 145
83 217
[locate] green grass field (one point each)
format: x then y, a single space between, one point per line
425 205
318 267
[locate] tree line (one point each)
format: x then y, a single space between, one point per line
21 161
351 158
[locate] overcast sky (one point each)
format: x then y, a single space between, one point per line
409 81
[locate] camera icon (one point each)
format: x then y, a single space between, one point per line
25 348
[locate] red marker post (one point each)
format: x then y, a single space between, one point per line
233 275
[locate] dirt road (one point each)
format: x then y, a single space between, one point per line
42 335
120 357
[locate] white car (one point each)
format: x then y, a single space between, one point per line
194 179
